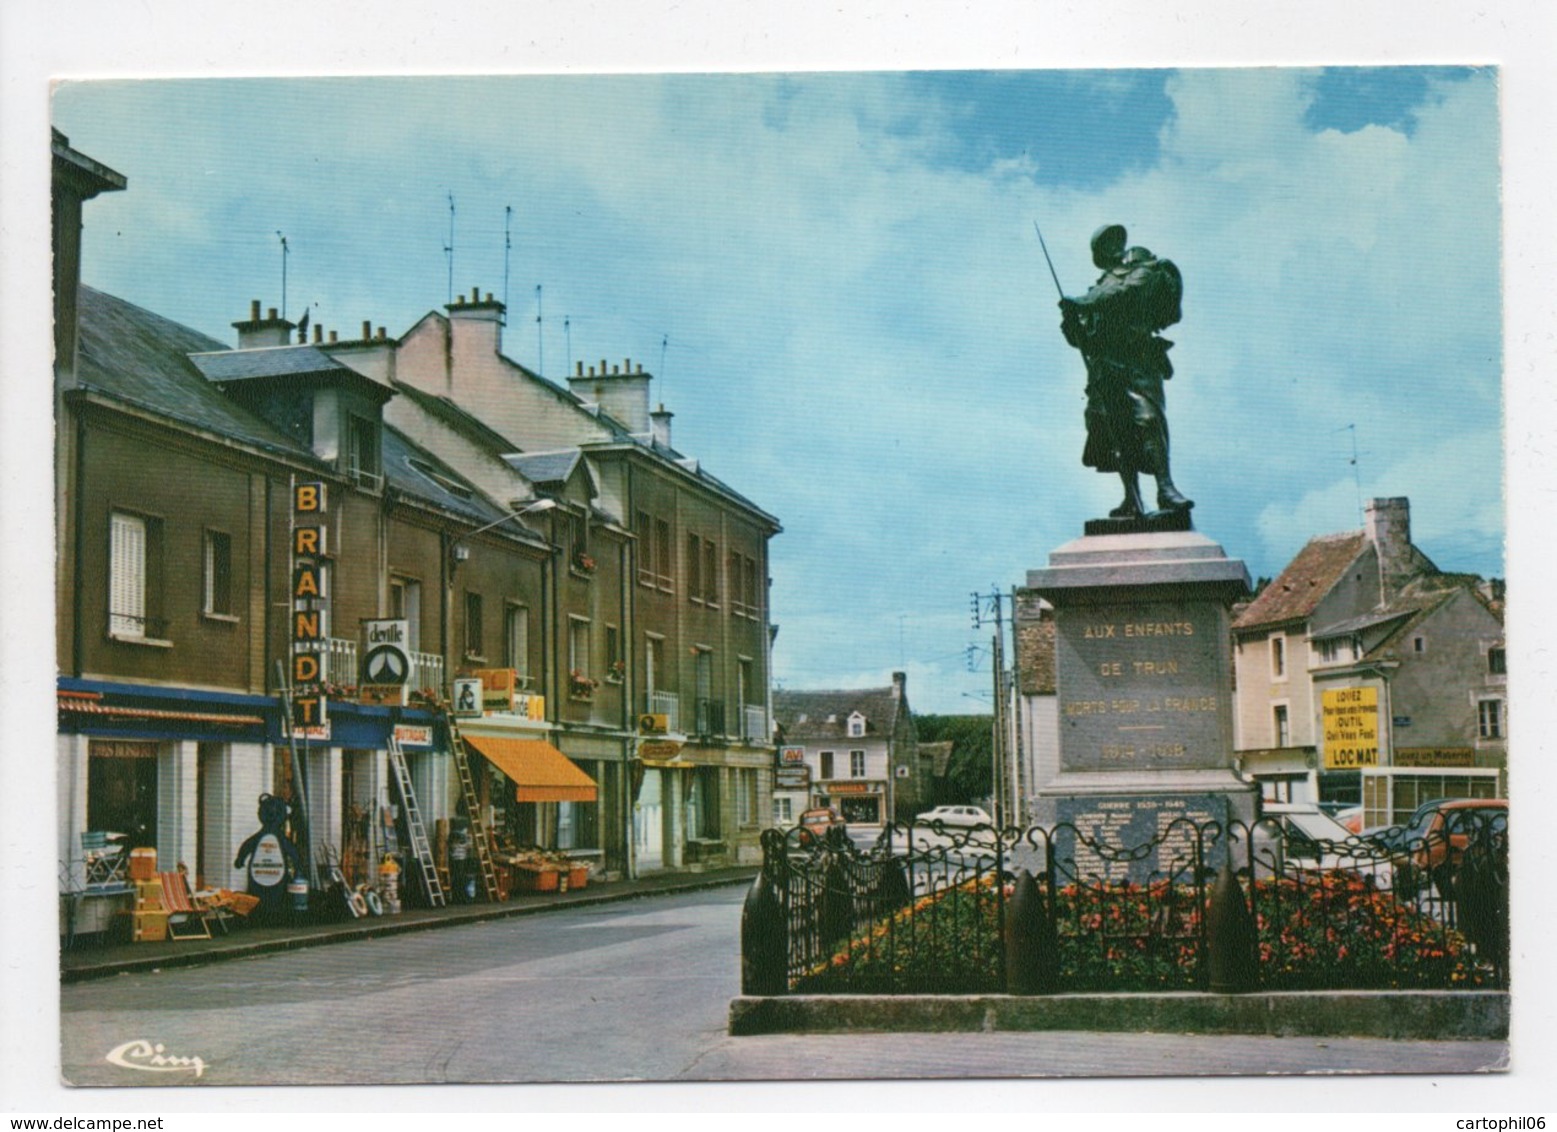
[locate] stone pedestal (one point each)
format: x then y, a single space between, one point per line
1144 675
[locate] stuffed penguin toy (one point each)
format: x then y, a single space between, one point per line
272 860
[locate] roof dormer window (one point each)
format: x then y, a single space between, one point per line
856 725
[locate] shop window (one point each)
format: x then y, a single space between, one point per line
856 764
703 804
135 578
218 575
827 765
1489 718
474 647
122 790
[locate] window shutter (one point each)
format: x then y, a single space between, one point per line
127 576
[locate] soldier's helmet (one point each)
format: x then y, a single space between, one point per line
1108 245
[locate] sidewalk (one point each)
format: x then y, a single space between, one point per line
86 961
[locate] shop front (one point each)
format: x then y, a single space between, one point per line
860 802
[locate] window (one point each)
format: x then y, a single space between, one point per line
662 563
122 789
578 654
616 667
134 577
473 636
218 574
1283 731
703 804
643 528
744 598
575 533
695 569
1497 662
405 604
856 764
783 809
710 574
1418 644
654 675
1278 657
856 726
516 642
827 765
1489 718
362 446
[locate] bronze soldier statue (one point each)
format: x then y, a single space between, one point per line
1116 327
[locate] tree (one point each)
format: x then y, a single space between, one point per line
968 773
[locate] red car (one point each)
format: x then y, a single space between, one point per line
814 824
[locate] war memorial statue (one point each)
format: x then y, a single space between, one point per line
1116 325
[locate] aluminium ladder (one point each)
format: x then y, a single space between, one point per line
414 828
478 832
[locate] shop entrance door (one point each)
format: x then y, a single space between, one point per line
649 822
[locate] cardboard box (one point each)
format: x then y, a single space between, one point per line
143 864
148 896
147 927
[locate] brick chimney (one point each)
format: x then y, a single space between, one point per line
1388 527
899 685
619 390
256 332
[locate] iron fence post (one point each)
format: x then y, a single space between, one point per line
764 941
1230 937
1031 947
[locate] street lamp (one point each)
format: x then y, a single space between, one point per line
459 552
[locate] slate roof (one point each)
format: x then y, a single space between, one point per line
142 358
1304 583
825 714
269 361
546 467
398 452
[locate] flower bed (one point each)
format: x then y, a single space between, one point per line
1326 932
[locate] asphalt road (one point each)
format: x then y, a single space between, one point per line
630 991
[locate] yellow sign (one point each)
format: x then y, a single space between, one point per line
654 723
658 750
1351 728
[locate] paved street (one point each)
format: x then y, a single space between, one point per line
629 991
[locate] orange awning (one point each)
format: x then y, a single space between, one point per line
539 771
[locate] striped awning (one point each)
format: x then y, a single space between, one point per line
539 771
89 703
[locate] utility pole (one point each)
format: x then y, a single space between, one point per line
1004 775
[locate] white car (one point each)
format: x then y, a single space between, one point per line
956 815
1311 840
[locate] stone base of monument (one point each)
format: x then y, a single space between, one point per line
1144 680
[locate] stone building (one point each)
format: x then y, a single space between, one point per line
1367 675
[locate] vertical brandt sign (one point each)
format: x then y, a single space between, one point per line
310 604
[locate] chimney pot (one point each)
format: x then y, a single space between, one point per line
489 296
367 330
318 333
475 294
254 309
272 314
615 371
333 337
580 370
602 367
381 334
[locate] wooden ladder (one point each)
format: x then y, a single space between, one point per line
414 827
478 830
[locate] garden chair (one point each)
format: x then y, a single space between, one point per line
186 920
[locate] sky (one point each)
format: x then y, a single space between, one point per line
836 281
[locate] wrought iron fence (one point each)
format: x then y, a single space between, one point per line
1201 905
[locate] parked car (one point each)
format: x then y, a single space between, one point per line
815 823
1449 830
1300 836
956 815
